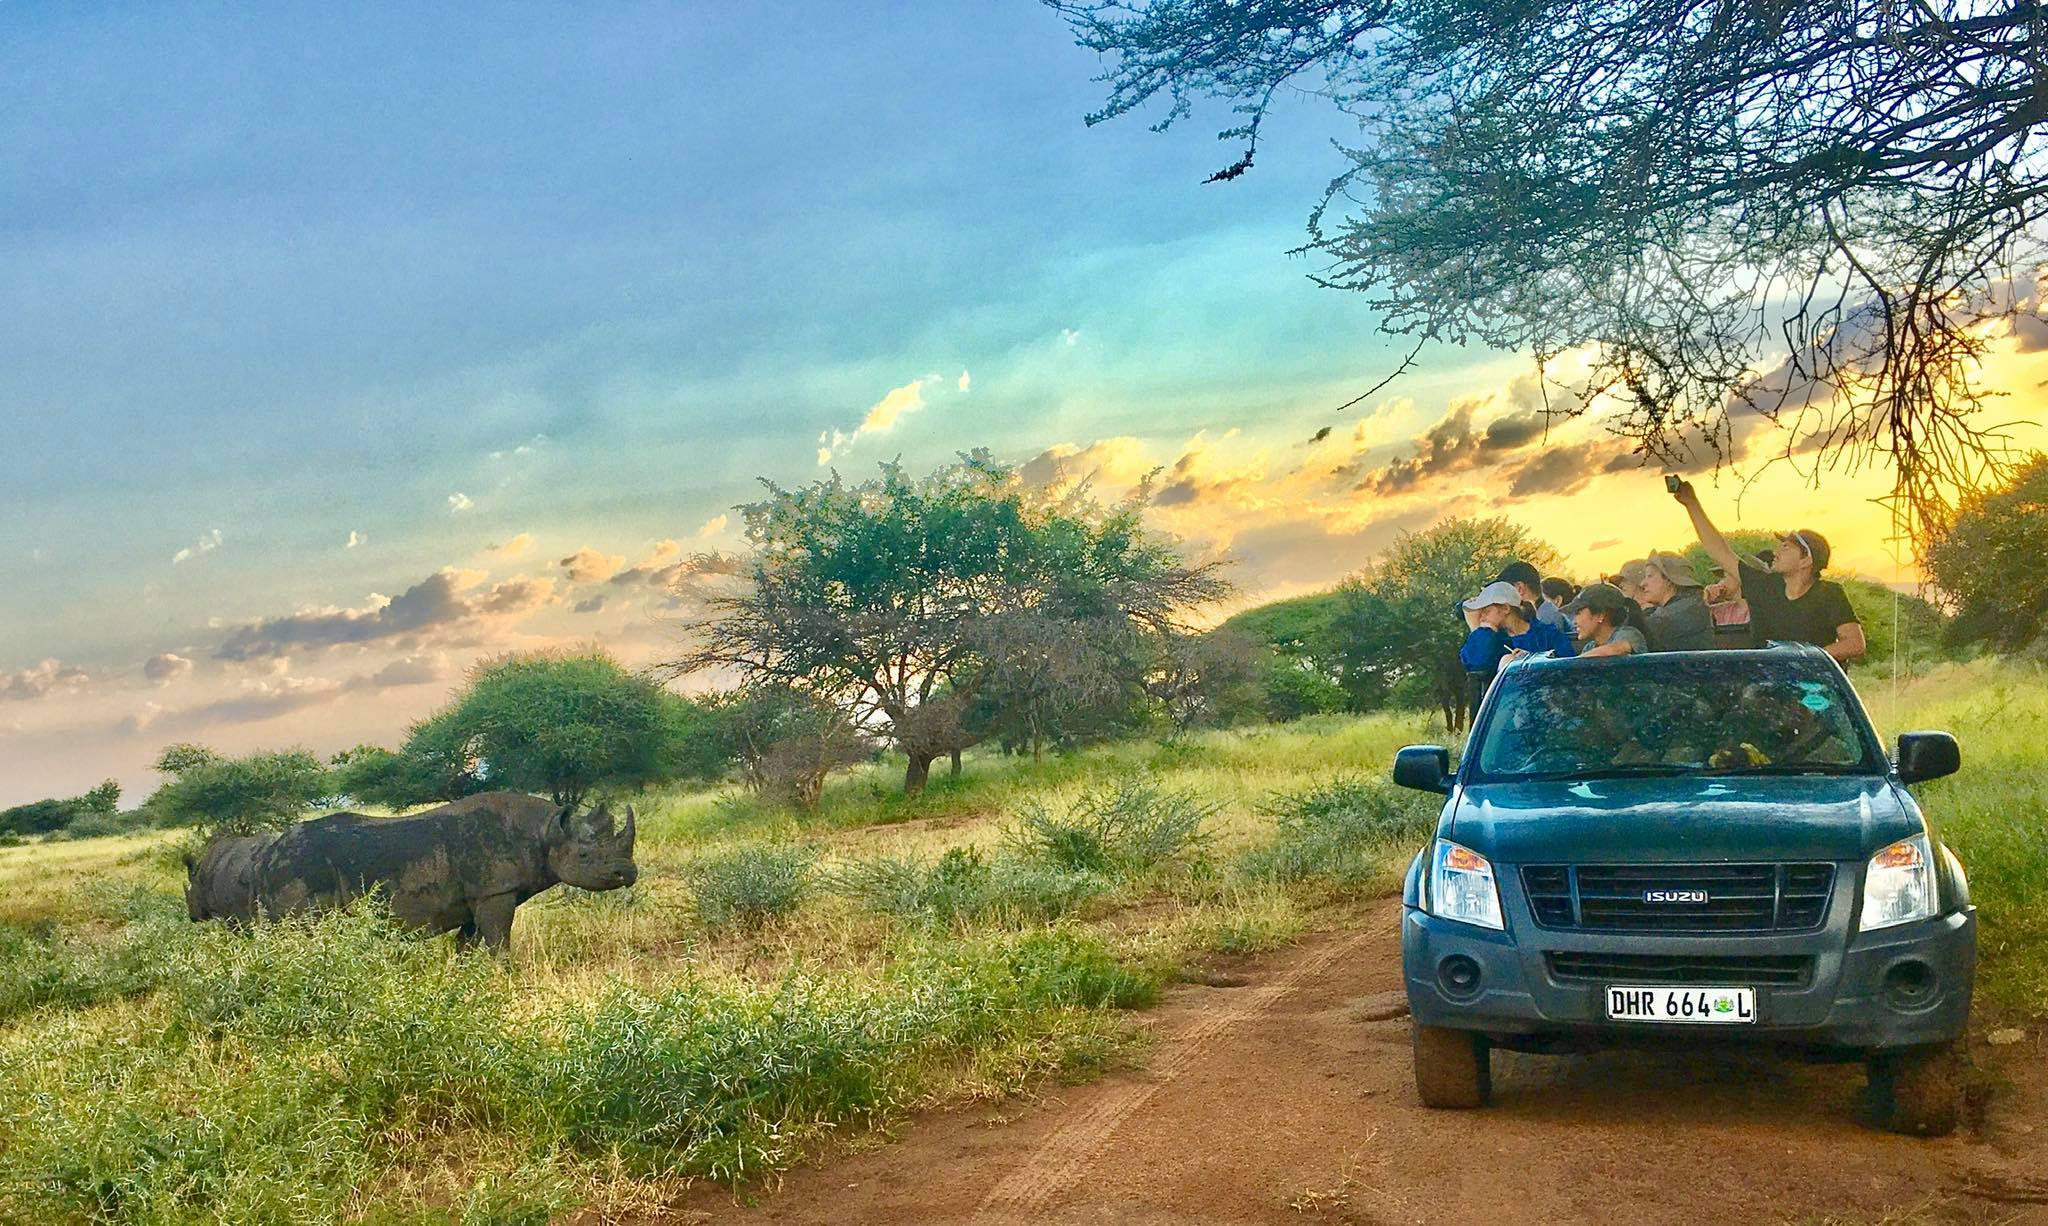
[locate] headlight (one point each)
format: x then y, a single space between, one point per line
1461 886
1899 886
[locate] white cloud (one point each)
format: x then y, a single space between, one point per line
966 381
512 548
1070 337
165 668
459 502
528 447
205 544
48 676
712 527
880 418
354 539
588 565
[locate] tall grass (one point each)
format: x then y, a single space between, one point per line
889 951
283 1076
1994 812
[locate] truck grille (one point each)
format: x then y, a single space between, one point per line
1738 897
1685 970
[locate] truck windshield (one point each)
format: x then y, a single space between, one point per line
1683 715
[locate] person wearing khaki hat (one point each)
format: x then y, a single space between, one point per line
1675 616
1788 600
1601 614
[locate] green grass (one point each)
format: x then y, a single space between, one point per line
1993 813
774 980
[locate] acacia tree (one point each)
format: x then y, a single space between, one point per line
901 598
1821 213
1398 621
1992 563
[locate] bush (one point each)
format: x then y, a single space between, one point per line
1341 828
563 725
43 964
267 1084
1131 826
750 884
964 887
95 826
243 795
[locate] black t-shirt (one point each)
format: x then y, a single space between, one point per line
1813 618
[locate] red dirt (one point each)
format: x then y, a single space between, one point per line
1290 1097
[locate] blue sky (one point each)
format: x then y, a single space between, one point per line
436 279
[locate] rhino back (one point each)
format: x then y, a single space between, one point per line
431 864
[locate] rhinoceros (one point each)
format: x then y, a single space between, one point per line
220 882
461 868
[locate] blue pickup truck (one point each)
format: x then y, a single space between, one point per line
1687 847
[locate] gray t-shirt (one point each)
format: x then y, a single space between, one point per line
1637 645
1550 615
1681 623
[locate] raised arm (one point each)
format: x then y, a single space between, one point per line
1716 545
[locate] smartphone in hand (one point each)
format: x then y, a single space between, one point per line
1672 484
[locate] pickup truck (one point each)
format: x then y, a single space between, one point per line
1682 848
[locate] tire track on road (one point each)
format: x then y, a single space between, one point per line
1064 1158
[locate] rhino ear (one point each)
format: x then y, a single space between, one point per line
558 825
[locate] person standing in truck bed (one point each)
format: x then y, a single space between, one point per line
1790 602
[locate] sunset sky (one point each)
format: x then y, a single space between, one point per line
343 346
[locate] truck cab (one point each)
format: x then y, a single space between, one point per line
1687 847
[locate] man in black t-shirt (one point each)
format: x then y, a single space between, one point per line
1790 602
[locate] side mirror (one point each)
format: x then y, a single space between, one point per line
1426 768
1927 755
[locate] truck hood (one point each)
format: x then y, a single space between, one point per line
1674 819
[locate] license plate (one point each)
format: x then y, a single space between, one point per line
1645 1004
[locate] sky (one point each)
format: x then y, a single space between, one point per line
346 345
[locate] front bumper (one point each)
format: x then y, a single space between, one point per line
1843 1007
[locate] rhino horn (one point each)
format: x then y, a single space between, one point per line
630 815
601 818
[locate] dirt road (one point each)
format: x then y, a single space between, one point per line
1286 1096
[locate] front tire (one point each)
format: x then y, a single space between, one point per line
1918 1093
1453 1068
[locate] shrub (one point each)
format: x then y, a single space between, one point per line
43 964
564 725
749 884
1128 827
268 1083
1340 828
964 887
94 826
243 795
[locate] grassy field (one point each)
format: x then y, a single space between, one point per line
771 986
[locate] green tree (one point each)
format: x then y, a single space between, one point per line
38 817
104 800
1992 562
1209 678
785 742
1845 195
263 790
1295 688
901 598
1400 621
183 756
561 724
1302 632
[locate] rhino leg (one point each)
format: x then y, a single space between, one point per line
491 922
